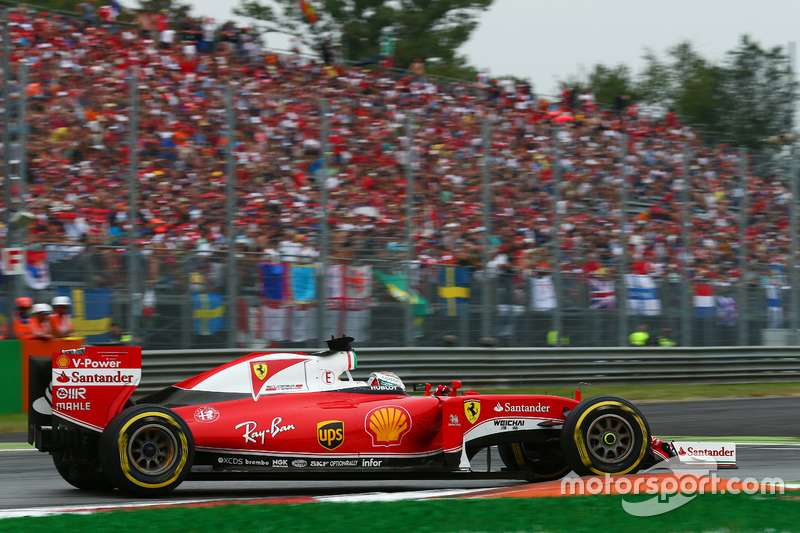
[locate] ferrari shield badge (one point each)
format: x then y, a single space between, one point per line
472 408
258 377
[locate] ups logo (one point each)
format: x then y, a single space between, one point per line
330 434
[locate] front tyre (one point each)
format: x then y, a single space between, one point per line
543 461
605 435
146 450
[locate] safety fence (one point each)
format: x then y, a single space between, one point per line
519 367
183 302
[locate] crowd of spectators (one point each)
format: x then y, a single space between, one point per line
78 126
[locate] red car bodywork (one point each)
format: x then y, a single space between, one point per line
289 415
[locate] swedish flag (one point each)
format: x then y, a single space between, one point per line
91 313
208 313
454 290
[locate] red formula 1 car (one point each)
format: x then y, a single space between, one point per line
303 416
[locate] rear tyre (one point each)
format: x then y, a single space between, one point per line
146 450
84 477
543 461
605 435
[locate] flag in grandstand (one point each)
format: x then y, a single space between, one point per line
398 287
601 294
454 290
727 311
704 304
543 294
348 303
91 313
37 271
774 305
208 313
301 314
642 295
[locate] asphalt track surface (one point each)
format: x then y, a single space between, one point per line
30 481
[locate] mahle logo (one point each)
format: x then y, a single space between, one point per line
330 434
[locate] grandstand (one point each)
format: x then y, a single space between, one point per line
483 204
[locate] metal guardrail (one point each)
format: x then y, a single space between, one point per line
522 367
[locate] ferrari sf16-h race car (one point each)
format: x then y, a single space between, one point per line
303 416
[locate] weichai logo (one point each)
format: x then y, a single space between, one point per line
330 434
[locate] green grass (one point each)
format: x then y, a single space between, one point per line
13 423
706 512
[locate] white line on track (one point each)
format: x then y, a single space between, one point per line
89 509
397 496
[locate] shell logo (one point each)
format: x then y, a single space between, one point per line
62 361
387 425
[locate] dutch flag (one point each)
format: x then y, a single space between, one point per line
704 304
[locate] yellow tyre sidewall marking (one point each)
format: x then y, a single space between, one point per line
122 440
581 445
518 457
516 447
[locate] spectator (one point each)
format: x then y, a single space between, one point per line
40 322
665 339
326 52
22 325
640 337
61 319
118 336
417 69
553 339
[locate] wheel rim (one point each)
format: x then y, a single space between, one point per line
610 438
152 449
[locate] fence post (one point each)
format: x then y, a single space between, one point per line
230 209
408 308
623 244
743 292
322 177
133 202
686 286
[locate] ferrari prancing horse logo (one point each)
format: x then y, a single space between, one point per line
257 377
472 408
260 370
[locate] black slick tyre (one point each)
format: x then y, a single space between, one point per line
146 450
80 476
605 435
541 461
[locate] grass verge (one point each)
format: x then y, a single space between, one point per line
707 512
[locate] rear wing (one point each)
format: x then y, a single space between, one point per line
84 387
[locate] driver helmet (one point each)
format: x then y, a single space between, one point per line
385 379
